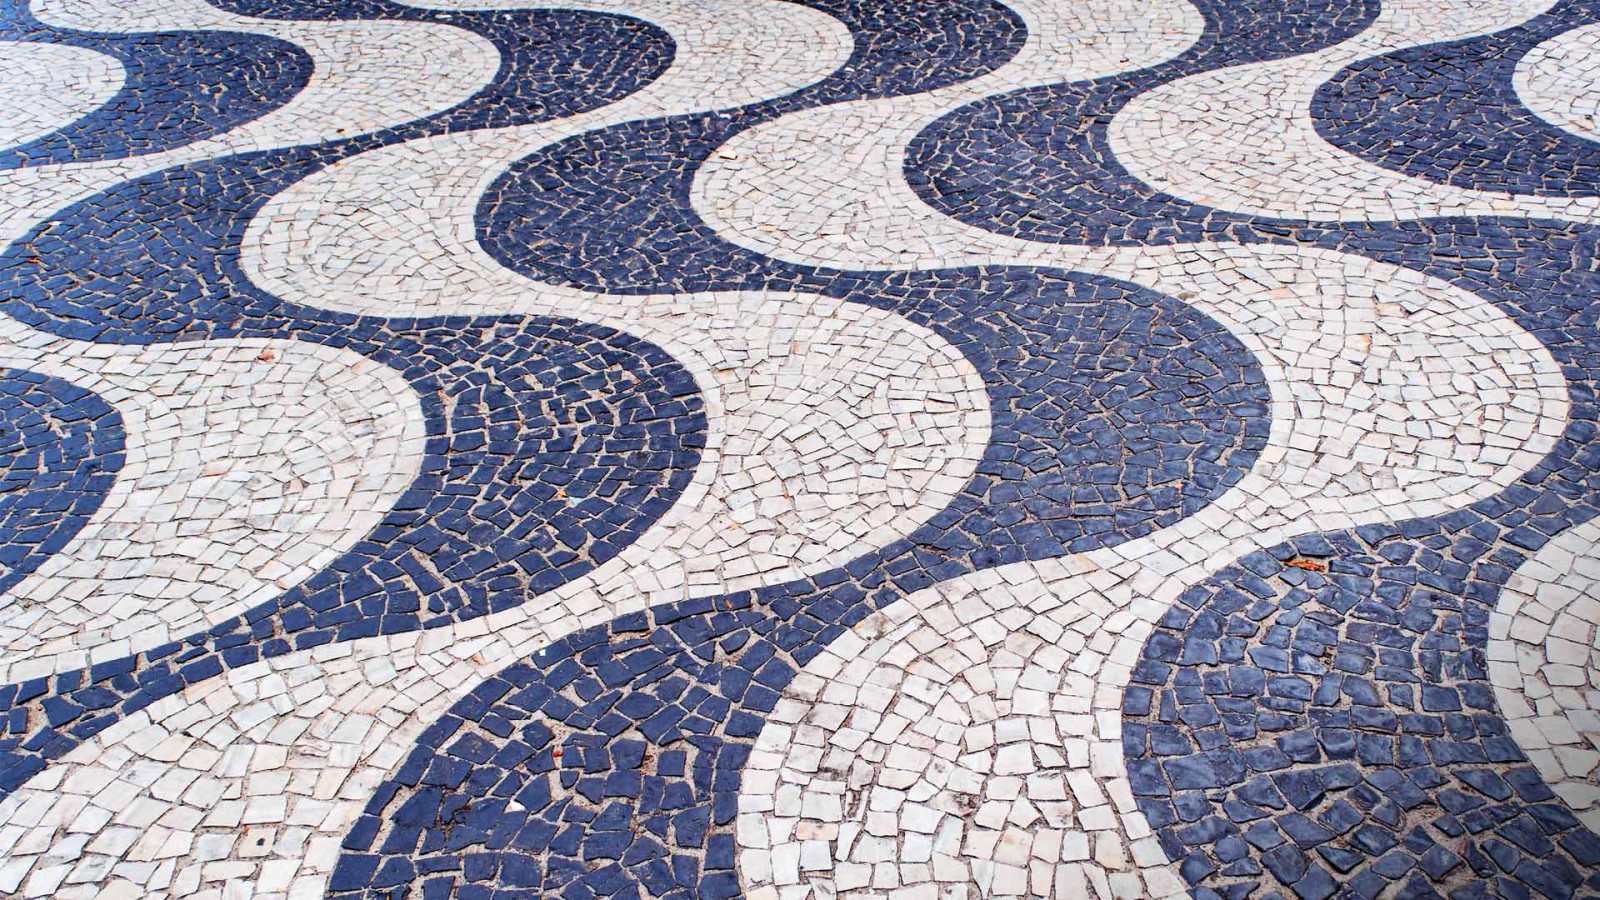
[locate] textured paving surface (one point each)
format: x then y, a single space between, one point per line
894 449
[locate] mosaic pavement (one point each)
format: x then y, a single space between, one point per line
871 449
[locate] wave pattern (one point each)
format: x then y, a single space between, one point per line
1464 122
176 88
705 448
1556 80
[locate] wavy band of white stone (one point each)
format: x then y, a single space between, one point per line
392 232
834 428
790 189
251 780
976 725
837 428
1559 80
1544 661
1340 338
256 776
50 86
967 739
1346 343
251 464
784 188
366 75
1243 138
164 802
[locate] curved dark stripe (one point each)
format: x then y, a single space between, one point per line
551 444
609 762
610 208
312 10
156 258
714 670
1036 163
1353 766
900 48
1114 410
60 450
1449 113
1320 715
553 63
180 87
715 675
621 747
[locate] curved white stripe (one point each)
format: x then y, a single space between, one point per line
1544 660
866 381
1342 341
347 712
843 428
251 464
970 735
391 231
249 780
1243 139
1339 338
791 189
366 75
50 86
833 428
726 54
1301 311
936 715
164 791
1395 393
1560 81
1239 139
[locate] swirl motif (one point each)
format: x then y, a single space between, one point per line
1464 114
706 447
1556 80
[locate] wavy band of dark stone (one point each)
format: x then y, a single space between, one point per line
1115 410
157 260
60 450
550 447
1041 169
611 761
551 444
178 88
1450 113
1036 164
1536 272
610 209
1319 718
